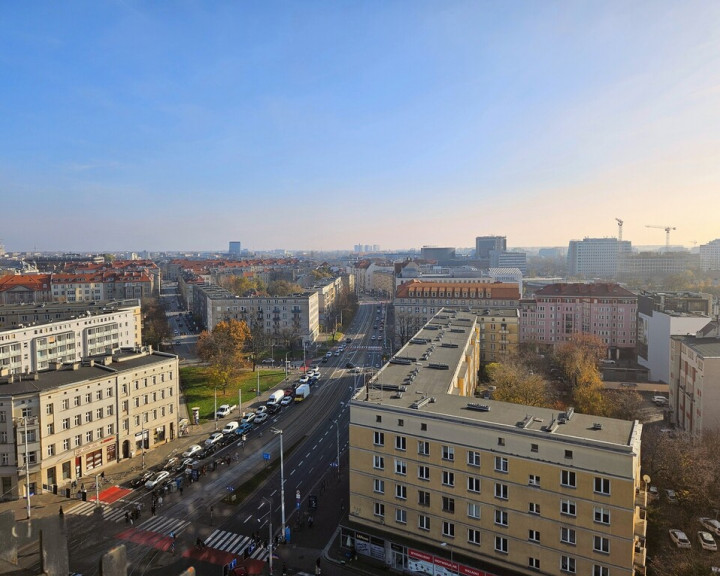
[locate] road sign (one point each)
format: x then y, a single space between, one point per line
266 455
297 494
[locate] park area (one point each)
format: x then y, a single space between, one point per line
199 391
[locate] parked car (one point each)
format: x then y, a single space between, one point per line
171 463
660 400
206 452
194 449
348 340
244 428
224 410
328 355
230 427
679 538
274 408
248 418
260 418
350 365
260 409
157 479
707 541
671 496
140 480
711 525
304 379
214 438
286 401
186 462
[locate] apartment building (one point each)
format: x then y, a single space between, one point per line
655 264
417 301
77 419
595 257
662 315
695 380
34 336
292 316
500 486
710 255
559 311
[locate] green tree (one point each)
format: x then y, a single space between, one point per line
223 350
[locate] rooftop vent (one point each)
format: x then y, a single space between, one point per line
420 403
552 426
478 407
525 422
597 426
448 345
438 366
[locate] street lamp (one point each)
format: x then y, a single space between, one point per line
286 355
270 536
452 564
282 483
142 445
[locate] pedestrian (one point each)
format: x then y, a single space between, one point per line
102 476
181 489
127 517
152 510
61 513
82 487
159 501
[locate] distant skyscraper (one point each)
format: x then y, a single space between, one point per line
595 257
486 244
442 255
235 248
709 255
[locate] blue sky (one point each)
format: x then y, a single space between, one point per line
320 125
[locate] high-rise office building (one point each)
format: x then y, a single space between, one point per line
595 257
484 245
235 248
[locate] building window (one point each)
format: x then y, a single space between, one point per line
378 418
534 448
49 409
379 509
448 504
379 486
66 444
76 401
400 467
50 429
379 439
501 517
602 486
379 462
601 515
65 404
534 535
473 536
501 544
401 491
424 472
88 398
601 544
567 564
568 507
601 570
78 420
78 440
473 458
448 478
88 416
99 413
534 563
401 422
501 491
448 529
424 522
534 480
473 484
423 448
110 429
501 441
448 453
423 498
501 464
568 454
567 535
89 436
51 450
401 516
98 395
567 478
473 510
66 423
533 508
400 443
423 426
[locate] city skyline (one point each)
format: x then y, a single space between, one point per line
131 127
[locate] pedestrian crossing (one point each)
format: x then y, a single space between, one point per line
234 544
109 514
163 525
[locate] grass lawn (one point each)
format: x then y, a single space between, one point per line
198 392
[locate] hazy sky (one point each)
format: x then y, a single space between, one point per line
183 125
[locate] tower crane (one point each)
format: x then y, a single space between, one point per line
620 223
667 233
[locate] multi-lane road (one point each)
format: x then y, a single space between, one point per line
314 432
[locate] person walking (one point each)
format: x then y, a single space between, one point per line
153 510
61 513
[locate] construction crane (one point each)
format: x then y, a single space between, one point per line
620 223
667 233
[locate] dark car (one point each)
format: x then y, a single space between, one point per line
348 340
140 480
349 365
313 501
273 408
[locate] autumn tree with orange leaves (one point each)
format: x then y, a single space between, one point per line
223 350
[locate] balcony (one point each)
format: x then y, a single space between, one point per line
640 523
641 497
639 557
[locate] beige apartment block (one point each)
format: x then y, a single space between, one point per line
504 486
695 380
81 418
32 337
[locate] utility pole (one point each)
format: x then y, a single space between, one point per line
282 483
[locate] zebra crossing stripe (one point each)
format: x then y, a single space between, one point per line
163 524
233 543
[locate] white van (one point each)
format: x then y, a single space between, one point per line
275 397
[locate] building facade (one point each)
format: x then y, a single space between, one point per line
710 255
34 337
78 419
695 380
556 313
595 257
505 486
